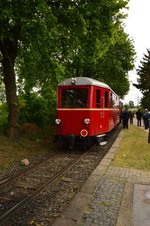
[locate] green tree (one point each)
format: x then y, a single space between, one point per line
113 67
39 38
143 72
24 24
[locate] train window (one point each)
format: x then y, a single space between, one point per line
106 99
74 98
98 98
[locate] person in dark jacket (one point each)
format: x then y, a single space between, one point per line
145 119
131 116
125 118
139 117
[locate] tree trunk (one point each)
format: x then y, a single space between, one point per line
9 51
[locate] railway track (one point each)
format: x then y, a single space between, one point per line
8 180
55 181
27 191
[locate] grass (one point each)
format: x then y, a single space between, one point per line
35 142
12 153
134 149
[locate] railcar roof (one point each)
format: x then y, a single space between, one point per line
83 81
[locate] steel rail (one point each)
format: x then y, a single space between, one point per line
6 216
9 179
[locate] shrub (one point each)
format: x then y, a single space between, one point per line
38 110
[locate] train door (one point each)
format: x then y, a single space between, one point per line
99 101
107 109
100 110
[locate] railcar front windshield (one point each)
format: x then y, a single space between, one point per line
74 98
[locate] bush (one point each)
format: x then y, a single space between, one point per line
38 110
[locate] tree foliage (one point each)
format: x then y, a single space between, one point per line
45 41
114 65
143 72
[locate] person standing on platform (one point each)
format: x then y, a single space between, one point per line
125 118
145 119
131 114
139 117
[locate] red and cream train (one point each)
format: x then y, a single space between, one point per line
87 110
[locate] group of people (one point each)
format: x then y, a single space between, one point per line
126 115
142 116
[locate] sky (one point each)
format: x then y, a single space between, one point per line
137 26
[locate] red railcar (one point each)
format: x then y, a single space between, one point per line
87 110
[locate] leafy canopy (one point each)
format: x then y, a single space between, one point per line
52 35
45 41
143 72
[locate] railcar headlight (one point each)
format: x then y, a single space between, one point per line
57 121
87 121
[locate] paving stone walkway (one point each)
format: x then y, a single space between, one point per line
112 202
